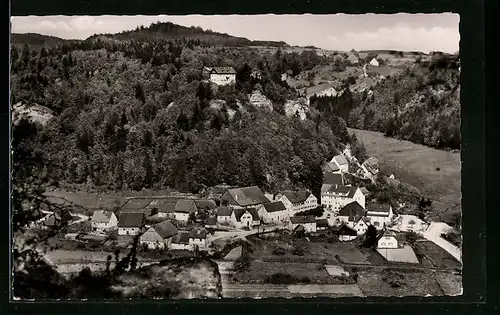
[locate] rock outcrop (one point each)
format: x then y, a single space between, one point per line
34 113
259 100
299 107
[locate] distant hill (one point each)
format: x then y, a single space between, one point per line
34 39
171 31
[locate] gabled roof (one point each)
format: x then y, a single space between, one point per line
377 207
333 179
322 223
247 196
198 233
297 196
181 238
223 70
341 160
353 209
185 206
166 205
101 216
346 191
205 204
325 188
131 219
224 212
302 219
138 203
238 213
331 167
165 229
346 230
274 206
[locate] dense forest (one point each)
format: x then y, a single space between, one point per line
136 114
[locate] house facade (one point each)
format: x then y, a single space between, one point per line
223 75
224 215
297 201
380 215
273 212
245 218
181 242
103 221
198 239
307 221
184 208
351 214
345 233
374 62
158 236
130 223
388 240
336 197
361 226
341 163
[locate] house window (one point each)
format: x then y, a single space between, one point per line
383 244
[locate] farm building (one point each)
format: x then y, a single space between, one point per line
307 221
380 214
330 168
346 233
296 201
103 221
248 218
239 198
222 75
159 235
322 224
180 241
351 214
130 223
183 208
341 163
224 215
273 212
198 238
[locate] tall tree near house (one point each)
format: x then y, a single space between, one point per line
370 237
148 168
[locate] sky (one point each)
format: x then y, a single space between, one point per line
403 31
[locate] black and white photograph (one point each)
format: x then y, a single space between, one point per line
235 156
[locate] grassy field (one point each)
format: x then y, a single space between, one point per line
389 283
418 165
288 249
432 255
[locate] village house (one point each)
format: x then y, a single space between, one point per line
362 225
346 233
240 198
130 223
341 163
297 201
380 214
245 218
222 75
158 236
103 221
205 205
308 222
322 224
198 238
388 239
374 62
320 90
163 208
180 241
351 214
331 167
336 197
224 215
370 167
184 208
273 212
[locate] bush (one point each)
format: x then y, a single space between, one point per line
279 251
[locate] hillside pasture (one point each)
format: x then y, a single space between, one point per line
436 173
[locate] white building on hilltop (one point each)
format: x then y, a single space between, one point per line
222 75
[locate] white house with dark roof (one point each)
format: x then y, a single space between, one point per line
306 221
245 218
240 198
346 233
224 215
351 214
388 239
158 236
130 223
180 241
198 238
332 179
362 225
336 197
103 221
297 201
273 212
164 207
183 208
380 214
222 75
341 163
